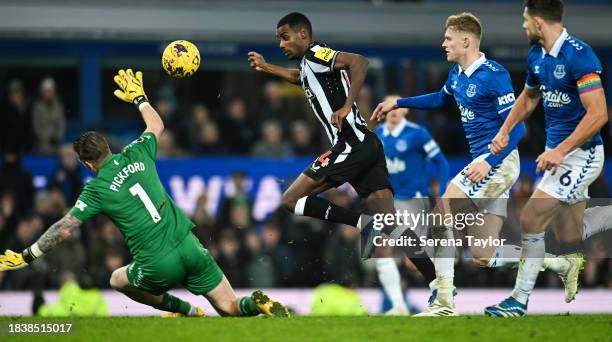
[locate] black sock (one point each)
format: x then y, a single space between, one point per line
417 255
426 267
323 209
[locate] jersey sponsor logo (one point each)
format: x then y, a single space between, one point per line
401 145
454 85
395 165
536 69
506 99
559 71
80 205
324 54
555 99
466 114
471 90
124 174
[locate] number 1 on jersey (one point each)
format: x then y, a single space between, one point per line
137 190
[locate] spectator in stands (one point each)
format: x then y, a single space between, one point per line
275 106
205 228
16 128
167 147
48 119
229 258
260 269
105 237
200 116
239 132
112 260
10 216
67 176
281 255
271 143
302 140
341 261
15 179
364 101
70 257
28 230
209 142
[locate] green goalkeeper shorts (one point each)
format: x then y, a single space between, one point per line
189 264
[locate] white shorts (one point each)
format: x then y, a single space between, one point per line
570 184
490 195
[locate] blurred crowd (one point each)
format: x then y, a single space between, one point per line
283 251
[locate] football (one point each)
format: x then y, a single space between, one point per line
181 59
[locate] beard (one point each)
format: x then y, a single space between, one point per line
533 39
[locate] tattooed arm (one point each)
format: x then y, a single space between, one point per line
57 233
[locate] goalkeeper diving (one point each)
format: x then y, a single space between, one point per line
158 234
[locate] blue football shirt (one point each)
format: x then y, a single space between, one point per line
408 148
558 74
484 94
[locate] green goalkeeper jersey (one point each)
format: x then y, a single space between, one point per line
127 190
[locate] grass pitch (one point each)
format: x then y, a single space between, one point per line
373 328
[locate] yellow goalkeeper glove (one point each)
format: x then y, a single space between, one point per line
130 87
11 261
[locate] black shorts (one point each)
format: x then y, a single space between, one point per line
363 166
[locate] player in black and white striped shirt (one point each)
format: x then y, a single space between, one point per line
357 155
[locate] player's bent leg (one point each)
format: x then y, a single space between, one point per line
567 227
441 302
226 303
568 224
301 199
536 215
489 255
302 186
165 301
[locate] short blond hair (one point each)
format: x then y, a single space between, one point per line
465 22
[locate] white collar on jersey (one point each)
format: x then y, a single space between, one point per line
397 130
477 63
554 51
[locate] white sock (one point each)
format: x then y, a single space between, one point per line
510 256
505 255
389 277
532 258
444 256
596 220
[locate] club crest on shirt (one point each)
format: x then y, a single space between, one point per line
471 90
401 145
559 71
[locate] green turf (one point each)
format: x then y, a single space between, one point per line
376 328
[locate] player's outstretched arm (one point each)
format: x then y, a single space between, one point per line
131 89
424 102
358 65
523 106
259 64
57 233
